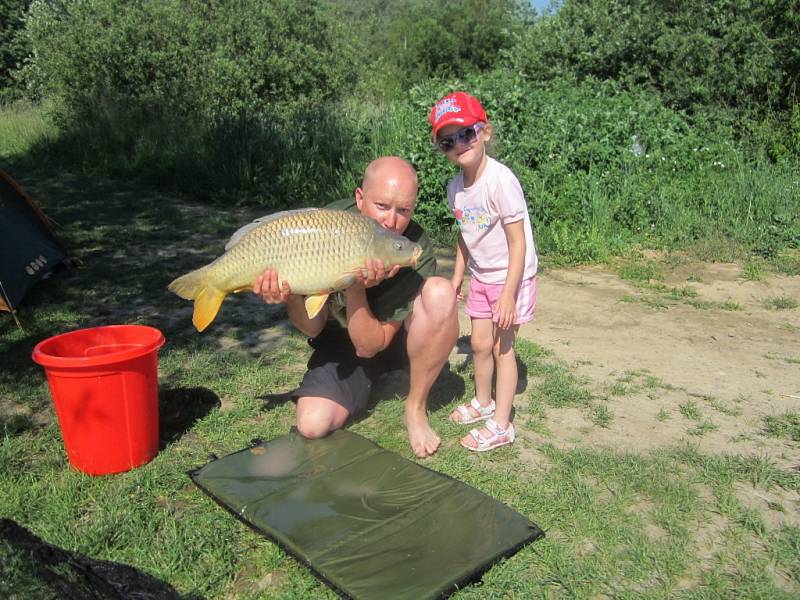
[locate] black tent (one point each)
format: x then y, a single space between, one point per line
29 250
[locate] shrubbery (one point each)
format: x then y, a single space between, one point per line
184 57
625 121
13 48
731 53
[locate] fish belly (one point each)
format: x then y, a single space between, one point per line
313 253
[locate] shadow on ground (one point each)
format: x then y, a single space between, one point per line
180 409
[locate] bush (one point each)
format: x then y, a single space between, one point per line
13 49
733 53
183 57
603 167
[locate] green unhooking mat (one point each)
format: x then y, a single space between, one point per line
367 521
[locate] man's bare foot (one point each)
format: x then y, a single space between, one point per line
424 441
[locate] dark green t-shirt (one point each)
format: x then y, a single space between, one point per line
391 300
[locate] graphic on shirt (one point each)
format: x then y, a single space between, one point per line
476 218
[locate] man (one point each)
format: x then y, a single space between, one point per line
394 318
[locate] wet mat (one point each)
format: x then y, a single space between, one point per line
368 522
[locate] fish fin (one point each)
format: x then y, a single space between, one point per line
314 304
245 229
207 299
190 285
206 307
345 281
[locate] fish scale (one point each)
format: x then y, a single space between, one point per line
316 251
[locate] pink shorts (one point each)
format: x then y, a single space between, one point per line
482 300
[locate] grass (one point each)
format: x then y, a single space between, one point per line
786 425
781 303
662 524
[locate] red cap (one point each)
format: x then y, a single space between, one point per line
459 108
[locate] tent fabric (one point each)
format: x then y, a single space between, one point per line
368 522
28 249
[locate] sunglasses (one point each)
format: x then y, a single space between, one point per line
465 135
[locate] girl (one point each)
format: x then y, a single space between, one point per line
496 241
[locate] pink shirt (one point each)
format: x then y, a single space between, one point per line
481 210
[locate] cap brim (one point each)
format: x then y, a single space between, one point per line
464 121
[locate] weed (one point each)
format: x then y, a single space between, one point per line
786 425
690 410
781 303
751 270
663 415
601 415
639 272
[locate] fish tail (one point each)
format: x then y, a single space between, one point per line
207 299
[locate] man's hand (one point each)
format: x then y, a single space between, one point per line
374 273
266 287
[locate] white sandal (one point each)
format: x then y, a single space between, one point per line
499 437
484 412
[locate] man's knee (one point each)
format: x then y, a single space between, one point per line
437 299
313 426
317 417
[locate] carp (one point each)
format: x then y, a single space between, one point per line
316 251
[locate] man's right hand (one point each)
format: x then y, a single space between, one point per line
267 288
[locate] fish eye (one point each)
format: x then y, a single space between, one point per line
398 245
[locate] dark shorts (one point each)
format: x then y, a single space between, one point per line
335 372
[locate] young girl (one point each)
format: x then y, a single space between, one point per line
496 241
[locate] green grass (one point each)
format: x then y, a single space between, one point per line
781 303
661 524
786 425
21 128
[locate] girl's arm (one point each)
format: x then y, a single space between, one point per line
507 304
462 255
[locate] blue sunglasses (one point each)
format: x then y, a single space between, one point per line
465 135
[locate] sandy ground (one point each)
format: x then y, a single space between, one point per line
735 367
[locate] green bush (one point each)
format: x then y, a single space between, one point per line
732 53
603 167
183 57
13 49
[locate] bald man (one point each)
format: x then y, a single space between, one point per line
401 318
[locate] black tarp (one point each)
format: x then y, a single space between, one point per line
368 522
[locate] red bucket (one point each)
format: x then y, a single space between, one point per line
104 384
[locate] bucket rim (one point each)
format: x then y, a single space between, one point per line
151 344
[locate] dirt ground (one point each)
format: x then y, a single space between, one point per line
735 367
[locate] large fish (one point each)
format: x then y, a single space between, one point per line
317 251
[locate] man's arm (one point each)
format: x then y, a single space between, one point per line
368 334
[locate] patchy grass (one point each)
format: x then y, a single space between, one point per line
660 524
781 303
786 425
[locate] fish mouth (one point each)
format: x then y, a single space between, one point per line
416 256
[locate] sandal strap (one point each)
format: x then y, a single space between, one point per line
464 412
482 410
492 426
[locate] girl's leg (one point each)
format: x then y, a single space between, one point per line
506 385
482 341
